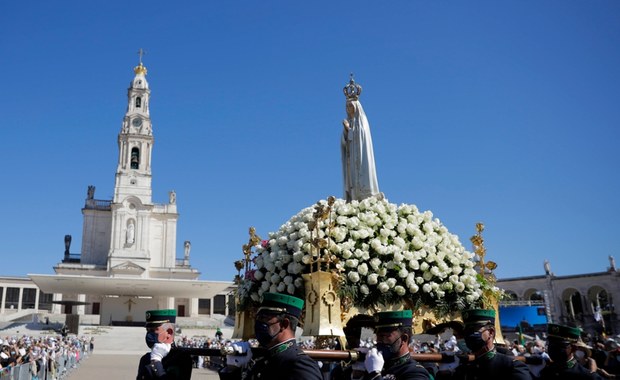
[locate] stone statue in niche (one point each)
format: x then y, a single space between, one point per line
131 233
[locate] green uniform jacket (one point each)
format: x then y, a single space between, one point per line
493 366
177 365
285 361
403 368
572 371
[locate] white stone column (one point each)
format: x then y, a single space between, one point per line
3 299
80 308
36 300
170 303
57 308
193 307
211 302
21 298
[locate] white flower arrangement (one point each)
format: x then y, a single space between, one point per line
385 255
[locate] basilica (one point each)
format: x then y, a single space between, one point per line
128 261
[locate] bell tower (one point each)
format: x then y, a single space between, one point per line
137 241
135 143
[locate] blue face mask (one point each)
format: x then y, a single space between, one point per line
558 354
389 350
474 341
151 338
261 329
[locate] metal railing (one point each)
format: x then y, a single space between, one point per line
72 258
58 369
181 263
98 204
522 303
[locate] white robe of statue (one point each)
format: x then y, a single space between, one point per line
358 159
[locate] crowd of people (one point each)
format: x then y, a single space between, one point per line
473 351
41 357
599 355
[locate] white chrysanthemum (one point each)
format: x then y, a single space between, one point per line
352 263
363 269
383 287
391 282
375 263
290 289
353 276
299 282
364 289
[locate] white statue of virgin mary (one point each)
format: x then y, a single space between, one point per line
358 159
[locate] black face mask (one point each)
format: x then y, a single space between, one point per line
151 338
558 354
389 350
475 342
261 329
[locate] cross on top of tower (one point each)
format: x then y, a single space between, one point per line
141 53
140 69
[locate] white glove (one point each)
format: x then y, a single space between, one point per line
159 351
241 356
374 361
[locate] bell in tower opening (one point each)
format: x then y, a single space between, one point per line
135 158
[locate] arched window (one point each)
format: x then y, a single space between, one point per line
135 158
138 102
511 296
537 296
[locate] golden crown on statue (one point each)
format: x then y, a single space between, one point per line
352 90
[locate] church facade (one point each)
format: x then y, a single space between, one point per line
128 262
584 300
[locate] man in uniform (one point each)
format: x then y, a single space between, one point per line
561 346
164 361
275 326
479 333
353 335
391 358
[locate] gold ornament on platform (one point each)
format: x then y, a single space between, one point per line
491 295
322 308
244 316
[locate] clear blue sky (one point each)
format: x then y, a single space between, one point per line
505 112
